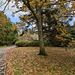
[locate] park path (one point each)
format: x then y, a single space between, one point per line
3 60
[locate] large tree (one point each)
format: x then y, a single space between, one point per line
35 7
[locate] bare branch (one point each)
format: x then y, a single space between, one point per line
6 6
3 3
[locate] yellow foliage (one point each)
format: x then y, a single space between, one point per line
3 19
37 5
63 31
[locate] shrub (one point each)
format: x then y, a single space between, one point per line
34 43
20 43
27 43
46 43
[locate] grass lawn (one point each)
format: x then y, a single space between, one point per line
1 47
25 61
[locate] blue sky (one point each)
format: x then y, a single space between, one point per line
13 19
71 23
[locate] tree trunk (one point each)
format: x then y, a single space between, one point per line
40 34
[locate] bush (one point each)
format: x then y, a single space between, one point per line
46 43
20 43
34 43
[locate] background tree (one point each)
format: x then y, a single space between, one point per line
7 36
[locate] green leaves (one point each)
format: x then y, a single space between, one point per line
7 36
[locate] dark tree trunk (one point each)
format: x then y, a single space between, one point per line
40 34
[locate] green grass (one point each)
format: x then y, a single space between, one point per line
2 46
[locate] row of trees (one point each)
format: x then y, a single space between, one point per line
7 35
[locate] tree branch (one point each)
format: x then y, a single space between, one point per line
6 6
3 3
28 5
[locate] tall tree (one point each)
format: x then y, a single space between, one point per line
37 6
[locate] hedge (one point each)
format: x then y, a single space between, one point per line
34 43
27 43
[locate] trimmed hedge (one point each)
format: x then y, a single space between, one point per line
34 43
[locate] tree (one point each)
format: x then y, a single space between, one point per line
36 7
7 36
56 33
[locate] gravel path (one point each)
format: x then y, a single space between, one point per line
2 60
